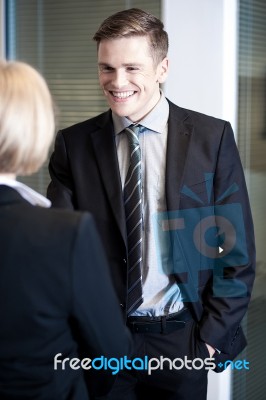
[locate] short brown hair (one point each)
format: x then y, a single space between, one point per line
135 22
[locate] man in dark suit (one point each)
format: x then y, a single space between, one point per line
194 254
58 308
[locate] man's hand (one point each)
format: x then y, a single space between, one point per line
210 349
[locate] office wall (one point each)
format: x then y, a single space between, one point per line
203 55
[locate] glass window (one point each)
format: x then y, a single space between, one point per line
252 145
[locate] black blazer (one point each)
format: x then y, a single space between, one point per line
56 297
203 170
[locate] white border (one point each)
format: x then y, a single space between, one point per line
2 29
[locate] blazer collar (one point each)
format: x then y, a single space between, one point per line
103 140
9 195
26 192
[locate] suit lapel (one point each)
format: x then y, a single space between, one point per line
180 131
179 134
105 150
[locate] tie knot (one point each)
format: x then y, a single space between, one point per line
133 134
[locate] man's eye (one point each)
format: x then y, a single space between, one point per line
132 68
106 69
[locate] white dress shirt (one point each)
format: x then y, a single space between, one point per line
161 293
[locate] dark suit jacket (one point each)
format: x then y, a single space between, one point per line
203 170
56 296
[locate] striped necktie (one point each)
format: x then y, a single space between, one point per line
133 213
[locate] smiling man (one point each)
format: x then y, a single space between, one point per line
129 75
135 167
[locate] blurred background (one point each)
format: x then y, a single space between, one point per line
217 66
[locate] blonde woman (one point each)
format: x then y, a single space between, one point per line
57 303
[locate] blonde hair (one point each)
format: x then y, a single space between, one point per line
27 121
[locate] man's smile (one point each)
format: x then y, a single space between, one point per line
122 95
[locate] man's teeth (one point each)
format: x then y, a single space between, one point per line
123 95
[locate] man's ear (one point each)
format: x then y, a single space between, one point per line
162 70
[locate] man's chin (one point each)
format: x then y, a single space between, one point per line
120 111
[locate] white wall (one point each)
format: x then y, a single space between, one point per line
203 77
203 55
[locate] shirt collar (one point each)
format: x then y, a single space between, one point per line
26 192
155 121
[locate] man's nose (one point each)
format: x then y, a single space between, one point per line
120 79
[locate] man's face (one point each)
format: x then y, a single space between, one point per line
129 77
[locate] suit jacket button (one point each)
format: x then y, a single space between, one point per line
122 305
125 261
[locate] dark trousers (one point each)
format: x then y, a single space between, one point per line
166 383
